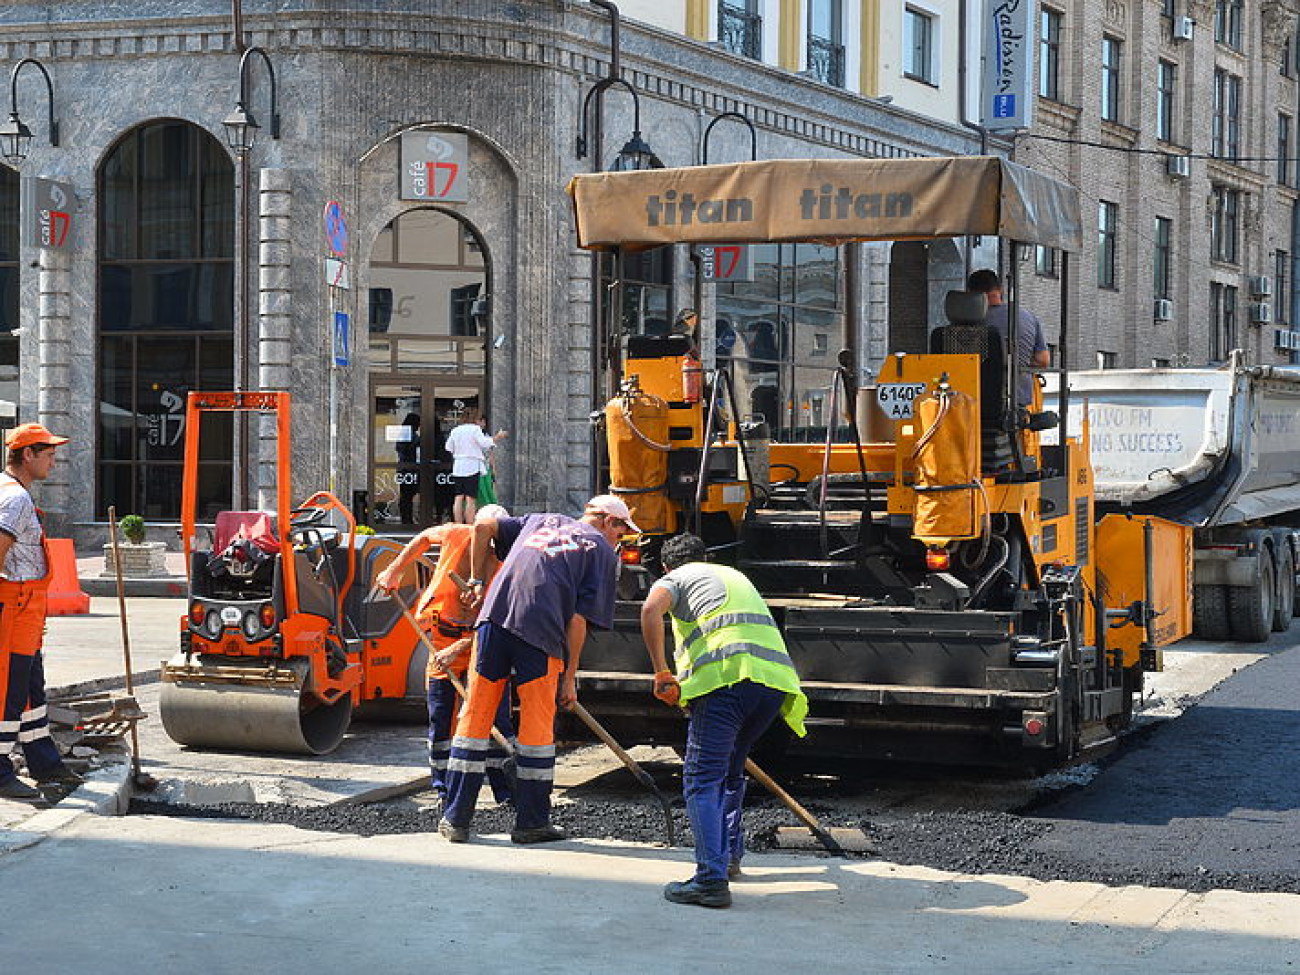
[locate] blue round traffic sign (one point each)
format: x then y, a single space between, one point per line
336 229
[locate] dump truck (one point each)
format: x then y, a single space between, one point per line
949 591
1215 449
284 636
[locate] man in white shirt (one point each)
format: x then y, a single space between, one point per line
468 445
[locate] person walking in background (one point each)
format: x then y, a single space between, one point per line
25 573
468 444
558 578
450 626
735 675
1031 347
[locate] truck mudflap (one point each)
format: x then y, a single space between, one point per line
882 682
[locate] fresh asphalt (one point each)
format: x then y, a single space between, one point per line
110 894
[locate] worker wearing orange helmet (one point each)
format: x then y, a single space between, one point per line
24 579
450 626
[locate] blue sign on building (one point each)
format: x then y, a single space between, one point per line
341 342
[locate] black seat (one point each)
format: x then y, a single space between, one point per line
968 335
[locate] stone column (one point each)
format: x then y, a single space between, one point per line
275 326
54 394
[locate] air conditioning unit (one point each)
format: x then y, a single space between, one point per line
1183 28
1179 166
1261 313
1261 285
1164 310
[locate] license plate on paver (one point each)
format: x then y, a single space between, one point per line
230 614
896 399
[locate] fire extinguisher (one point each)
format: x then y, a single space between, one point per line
692 378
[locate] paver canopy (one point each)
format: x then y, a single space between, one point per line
831 201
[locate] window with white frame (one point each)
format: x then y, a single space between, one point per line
919 34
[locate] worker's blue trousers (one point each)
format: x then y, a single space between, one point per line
24 723
500 657
442 710
724 726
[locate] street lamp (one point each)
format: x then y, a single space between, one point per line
635 154
241 126
708 130
15 136
241 132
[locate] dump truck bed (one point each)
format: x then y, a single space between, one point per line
1200 446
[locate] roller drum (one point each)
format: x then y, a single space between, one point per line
219 708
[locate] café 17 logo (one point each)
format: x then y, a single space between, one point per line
56 221
435 176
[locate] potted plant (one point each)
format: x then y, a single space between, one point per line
140 559
133 529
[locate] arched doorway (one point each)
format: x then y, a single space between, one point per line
166 198
428 329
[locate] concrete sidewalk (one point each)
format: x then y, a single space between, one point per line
173 895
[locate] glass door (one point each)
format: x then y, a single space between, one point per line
410 470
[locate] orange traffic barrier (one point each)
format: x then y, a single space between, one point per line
65 597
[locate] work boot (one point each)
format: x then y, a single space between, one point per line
537 834
705 893
453 833
733 870
16 788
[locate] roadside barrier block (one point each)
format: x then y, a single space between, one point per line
65 597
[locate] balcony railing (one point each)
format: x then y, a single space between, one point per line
826 61
740 31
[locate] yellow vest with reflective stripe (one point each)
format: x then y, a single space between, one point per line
738 641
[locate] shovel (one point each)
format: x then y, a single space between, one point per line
140 779
641 774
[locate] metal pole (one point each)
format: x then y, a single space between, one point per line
243 345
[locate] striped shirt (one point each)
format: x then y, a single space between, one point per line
20 520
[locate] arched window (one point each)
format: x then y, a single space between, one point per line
166 306
8 284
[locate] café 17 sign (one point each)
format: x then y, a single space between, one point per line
47 212
435 167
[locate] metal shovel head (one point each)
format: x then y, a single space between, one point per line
850 839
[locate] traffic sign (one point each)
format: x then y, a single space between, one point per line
336 229
341 338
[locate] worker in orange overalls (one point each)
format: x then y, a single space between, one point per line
24 579
450 626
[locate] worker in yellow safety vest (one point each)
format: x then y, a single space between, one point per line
734 676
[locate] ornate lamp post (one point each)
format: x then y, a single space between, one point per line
241 134
15 136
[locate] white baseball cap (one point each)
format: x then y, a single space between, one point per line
607 504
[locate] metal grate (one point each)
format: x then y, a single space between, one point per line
740 31
826 61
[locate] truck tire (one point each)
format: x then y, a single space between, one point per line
1210 612
1251 607
1284 601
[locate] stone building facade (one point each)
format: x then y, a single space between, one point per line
143 305
1178 123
